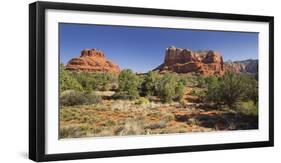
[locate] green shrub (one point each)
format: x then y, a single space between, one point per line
166 88
201 83
179 91
96 81
190 81
105 81
248 108
213 91
230 89
200 93
148 84
92 98
71 98
252 89
67 81
84 80
170 88
128 85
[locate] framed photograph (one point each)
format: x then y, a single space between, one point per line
110 81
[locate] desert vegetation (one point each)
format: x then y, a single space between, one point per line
126 103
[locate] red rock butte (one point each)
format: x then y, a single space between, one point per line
92 60
186 61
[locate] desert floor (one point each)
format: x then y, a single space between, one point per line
132 117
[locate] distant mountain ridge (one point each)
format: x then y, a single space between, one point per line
243 66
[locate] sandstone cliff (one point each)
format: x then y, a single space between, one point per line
186 61
92 60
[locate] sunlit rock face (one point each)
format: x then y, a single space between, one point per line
92 60
181 60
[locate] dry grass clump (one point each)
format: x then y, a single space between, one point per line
70 132
168 117
121 105
192 122
77 131
72 98
157 125
131 127
104 93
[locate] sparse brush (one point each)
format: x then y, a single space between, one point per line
71 132
142 101
192 121
122 105
198 92
72 98
131 127
109 123
105 132
155 114
168 117
157 125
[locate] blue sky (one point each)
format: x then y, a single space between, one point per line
143 49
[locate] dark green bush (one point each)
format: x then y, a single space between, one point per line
149 84
179 91
248 108
200 93
188 80
97 81
106 81
166 88
170 88
213 91
201 82
128 85
232 88
85 80
252 89
67 81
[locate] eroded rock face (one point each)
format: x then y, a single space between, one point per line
245 66
186 61
92 60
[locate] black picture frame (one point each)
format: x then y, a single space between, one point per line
37 80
